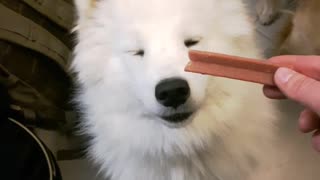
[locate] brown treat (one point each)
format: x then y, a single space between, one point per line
231 67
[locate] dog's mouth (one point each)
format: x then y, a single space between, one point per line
177 117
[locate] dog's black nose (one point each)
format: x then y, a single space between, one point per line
172 92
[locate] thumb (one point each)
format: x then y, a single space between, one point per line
299 87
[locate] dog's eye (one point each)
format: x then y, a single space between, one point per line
140 52
191 42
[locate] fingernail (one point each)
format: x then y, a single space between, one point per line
283 75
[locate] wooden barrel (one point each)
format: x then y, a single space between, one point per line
35 51
35 48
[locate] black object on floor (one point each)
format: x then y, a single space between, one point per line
23 156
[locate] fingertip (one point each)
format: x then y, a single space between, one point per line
266 90
303 122
273 92
308 121
316 140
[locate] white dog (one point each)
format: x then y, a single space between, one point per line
147 118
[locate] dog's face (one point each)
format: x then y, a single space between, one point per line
148 42
137 51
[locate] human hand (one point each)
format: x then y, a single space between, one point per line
300 83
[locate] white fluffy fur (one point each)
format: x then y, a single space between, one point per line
231 131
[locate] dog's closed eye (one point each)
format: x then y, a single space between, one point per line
139 52
191 42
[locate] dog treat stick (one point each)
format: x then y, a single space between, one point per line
231 67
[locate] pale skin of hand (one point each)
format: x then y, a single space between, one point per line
301 83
